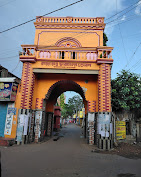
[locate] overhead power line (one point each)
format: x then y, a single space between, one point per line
9 57
121 11
136 65
7 3
124 13
41 16
132 55
16 66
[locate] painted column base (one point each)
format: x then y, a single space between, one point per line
50 123
38 125
24 125
91 131
104 131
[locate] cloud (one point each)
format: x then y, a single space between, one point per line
123 18
138 9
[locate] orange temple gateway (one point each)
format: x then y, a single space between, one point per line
67 55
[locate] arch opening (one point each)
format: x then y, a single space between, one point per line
51 98
62 86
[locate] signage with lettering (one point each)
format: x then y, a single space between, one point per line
120 130
66 65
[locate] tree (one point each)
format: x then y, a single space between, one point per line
105 39
62 100
67 110
76 102
126 92
74 105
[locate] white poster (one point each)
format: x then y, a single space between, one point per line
25 124
111 128
38 120
30 117
21 119
8 124
98 128
91 117
107 134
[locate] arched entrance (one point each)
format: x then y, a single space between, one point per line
58 88
51 97
62 60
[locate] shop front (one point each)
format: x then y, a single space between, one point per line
8 91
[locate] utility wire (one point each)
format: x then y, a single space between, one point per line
9 57
7 3
16 66
123 14
121 11
121 22
121 36
135 65
132 55
63 8
41 16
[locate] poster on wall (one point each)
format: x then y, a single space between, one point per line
25 124
120 130
5 91
14 91
104 125
8 124
20 127
38 121
11 111
91 117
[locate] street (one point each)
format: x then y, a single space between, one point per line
69 156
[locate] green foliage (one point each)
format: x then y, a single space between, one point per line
126 92
77 102
74 105
101 55
67 110
105 39
62 101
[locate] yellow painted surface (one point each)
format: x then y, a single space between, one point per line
120 130
91 38
44 81
53 36
81 114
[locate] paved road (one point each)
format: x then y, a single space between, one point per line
67 157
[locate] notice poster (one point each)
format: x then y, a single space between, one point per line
120 130
11 111
91 117
104 127
8 124
21 120
14 91
30 118
38 120
25 124
19 133
20 127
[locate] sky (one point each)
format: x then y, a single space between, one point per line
123 30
